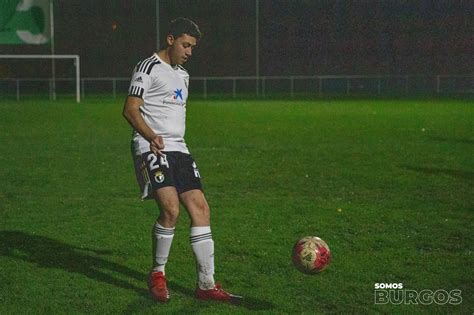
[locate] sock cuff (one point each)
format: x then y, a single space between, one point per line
198 230
158 229
200 234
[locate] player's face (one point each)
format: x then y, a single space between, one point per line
181 48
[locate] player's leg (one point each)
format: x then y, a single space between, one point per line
158 183
197 207
200 236
203 248
190 192
162 238
156 178
163 230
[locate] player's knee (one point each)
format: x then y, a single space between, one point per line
169 210
169 218
202 210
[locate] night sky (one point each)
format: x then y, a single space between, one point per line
297 37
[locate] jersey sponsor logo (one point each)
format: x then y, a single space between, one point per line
178 93
139 80
176 99
174 102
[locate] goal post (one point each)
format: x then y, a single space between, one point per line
53 57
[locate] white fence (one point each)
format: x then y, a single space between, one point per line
266 86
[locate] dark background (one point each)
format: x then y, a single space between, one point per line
299 37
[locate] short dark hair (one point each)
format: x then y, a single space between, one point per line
181 25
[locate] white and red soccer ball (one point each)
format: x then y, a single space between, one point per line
311 255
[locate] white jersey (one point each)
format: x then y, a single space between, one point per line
164 90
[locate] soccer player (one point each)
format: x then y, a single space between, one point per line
156 109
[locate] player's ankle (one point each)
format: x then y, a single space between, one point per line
206 283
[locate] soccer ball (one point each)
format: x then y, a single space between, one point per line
311 255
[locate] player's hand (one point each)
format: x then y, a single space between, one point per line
157 145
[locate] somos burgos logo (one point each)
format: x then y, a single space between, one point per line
394 293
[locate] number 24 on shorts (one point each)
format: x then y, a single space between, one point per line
153 161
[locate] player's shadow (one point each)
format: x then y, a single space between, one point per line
247 302
466 175
453 140
255 304
49 253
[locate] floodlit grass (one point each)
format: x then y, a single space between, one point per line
388 184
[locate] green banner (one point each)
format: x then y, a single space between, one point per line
25 22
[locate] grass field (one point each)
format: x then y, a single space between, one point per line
387 183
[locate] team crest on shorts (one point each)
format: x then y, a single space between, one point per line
159 177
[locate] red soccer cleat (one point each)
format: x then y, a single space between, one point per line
217 294
157 286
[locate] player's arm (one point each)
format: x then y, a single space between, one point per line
131 112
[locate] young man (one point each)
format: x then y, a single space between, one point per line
156 109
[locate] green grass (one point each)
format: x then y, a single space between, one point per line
74 237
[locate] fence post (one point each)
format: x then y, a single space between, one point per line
233 87
257 86
406 84
82 88
348 85
114 87
292 87
320 86
263 86
18 89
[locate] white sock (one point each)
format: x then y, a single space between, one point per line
162 238
203 248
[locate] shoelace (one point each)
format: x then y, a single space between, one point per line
219 289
